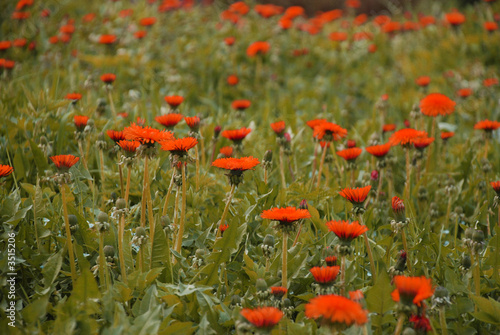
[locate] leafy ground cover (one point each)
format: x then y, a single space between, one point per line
175 168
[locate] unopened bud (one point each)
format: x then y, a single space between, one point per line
261 285
109 251
102 217
121 203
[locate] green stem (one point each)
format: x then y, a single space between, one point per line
121 231
197 157
178 244
370 254
405 247
342 275
408 175
120 170
282 168
111 104
144 190
399 326
284 268
442 321
320 170
170 187
127 189
68 234
226 208
102 263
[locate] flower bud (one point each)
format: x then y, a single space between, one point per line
102 217
121 203
268 156
374 175
478 236
261 285
269 240
109 251
73 221
165 221
140 232
466 262
303 204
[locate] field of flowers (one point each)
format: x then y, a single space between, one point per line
169 167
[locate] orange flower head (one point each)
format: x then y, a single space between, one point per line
423 81
412 290
278 292
5 170
174 100
262 317
108 78
146 135
314 123
20 42
140 34
286 216
437 104
268 10
406 136
346 231
129 147
115 135
487 125
491 26
193 122
488 82
278 127
356 196
236 167
232 80
64 162
325 275
170 120
388 127
350 154
494 184
180 146
107 39
334 310
464 92
258 48
239 8
391 27
294 11
331 260
147 21
226 151
356 296
398 207
236 135
447 135
20 15
241 105
80 122
73 96
338 36
4 45
422 142
328 131
229 40
223 228
455 18
380 150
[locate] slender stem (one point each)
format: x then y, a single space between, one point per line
121 231
120 170
499 216
380 183
284 269
265 176
370 254
101 167
144 190
139 255
477 274
226 208
214 145
316 146
342 275
336 160
486 143
405 247
151 222
448 211
399 326
183 212
298 233
102 263
202 149
82 154
111 104
176 206
282 168
127 190
170 187
320 171
442 321
431 149
408 175
197 157
68 234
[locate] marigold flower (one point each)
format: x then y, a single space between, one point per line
294 11
412 290
107 39
406 136
169 120
73 96
379 150
5 170
240 104
488 82
80 122
496 186
422 142
174 100
193 122
129 146
446 135
146 135
423 81
285 23
329 131
232 80
350 154
437 104
346 231
278 291
236 135
325 274
388 127
226 151
64 162
115 135
179 146
147 21
108 78
262 317
464 92
278 127
455 18
236 164
487 125
356 196
286 216
334 310
258 48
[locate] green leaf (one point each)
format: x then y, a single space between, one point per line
147 323
52 267
488 310
40 160
160 251
178 328
378 298
36 309
204 327
316 220
149 301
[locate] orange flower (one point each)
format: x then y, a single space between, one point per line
356 196
5 170
412 290
67 29
447 135
325 274
350 154
73 96
129 147
464 92
423 81
179 146
7 64
223 228
391 27
20 15
107 39
140 34
338 36
108 78
88 17
4 45
426 20
147 21
64 162
437 104
455 18
268 10
240 104
278 291
80 122
278 127
335 310
422 142
229 40
488 82
314 123
494 184
285 23
116 136
329 131
406 136
380 150
236 165
397 205
491 26
226 151
146 135
380 20
239 7
262 317
19 43
294 11
356 296
236 135
169 120
286 215
174 100
346 231
487 125
331 260
388 127
257 48
232 80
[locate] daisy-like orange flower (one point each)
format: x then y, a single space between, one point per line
174 100
346 231
5 170
398 207
236 166
170 120
240 104
447 135
236 135
490 26
146 135
226 151
262 317
338 36
329 131
350 154
107 39
73 96
379 150
494 184
356 196
115 135
147 21
314 123
455 18
325 275
488 82
64 162
406 136
80 122
464 92
335 310
108 78
232 80
487 125
129 147
278 127
193 122
437 104
180 146
388 127
422 142
229 40
223 228
412 290
258 48
423 81
285 215
140 34
278 291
